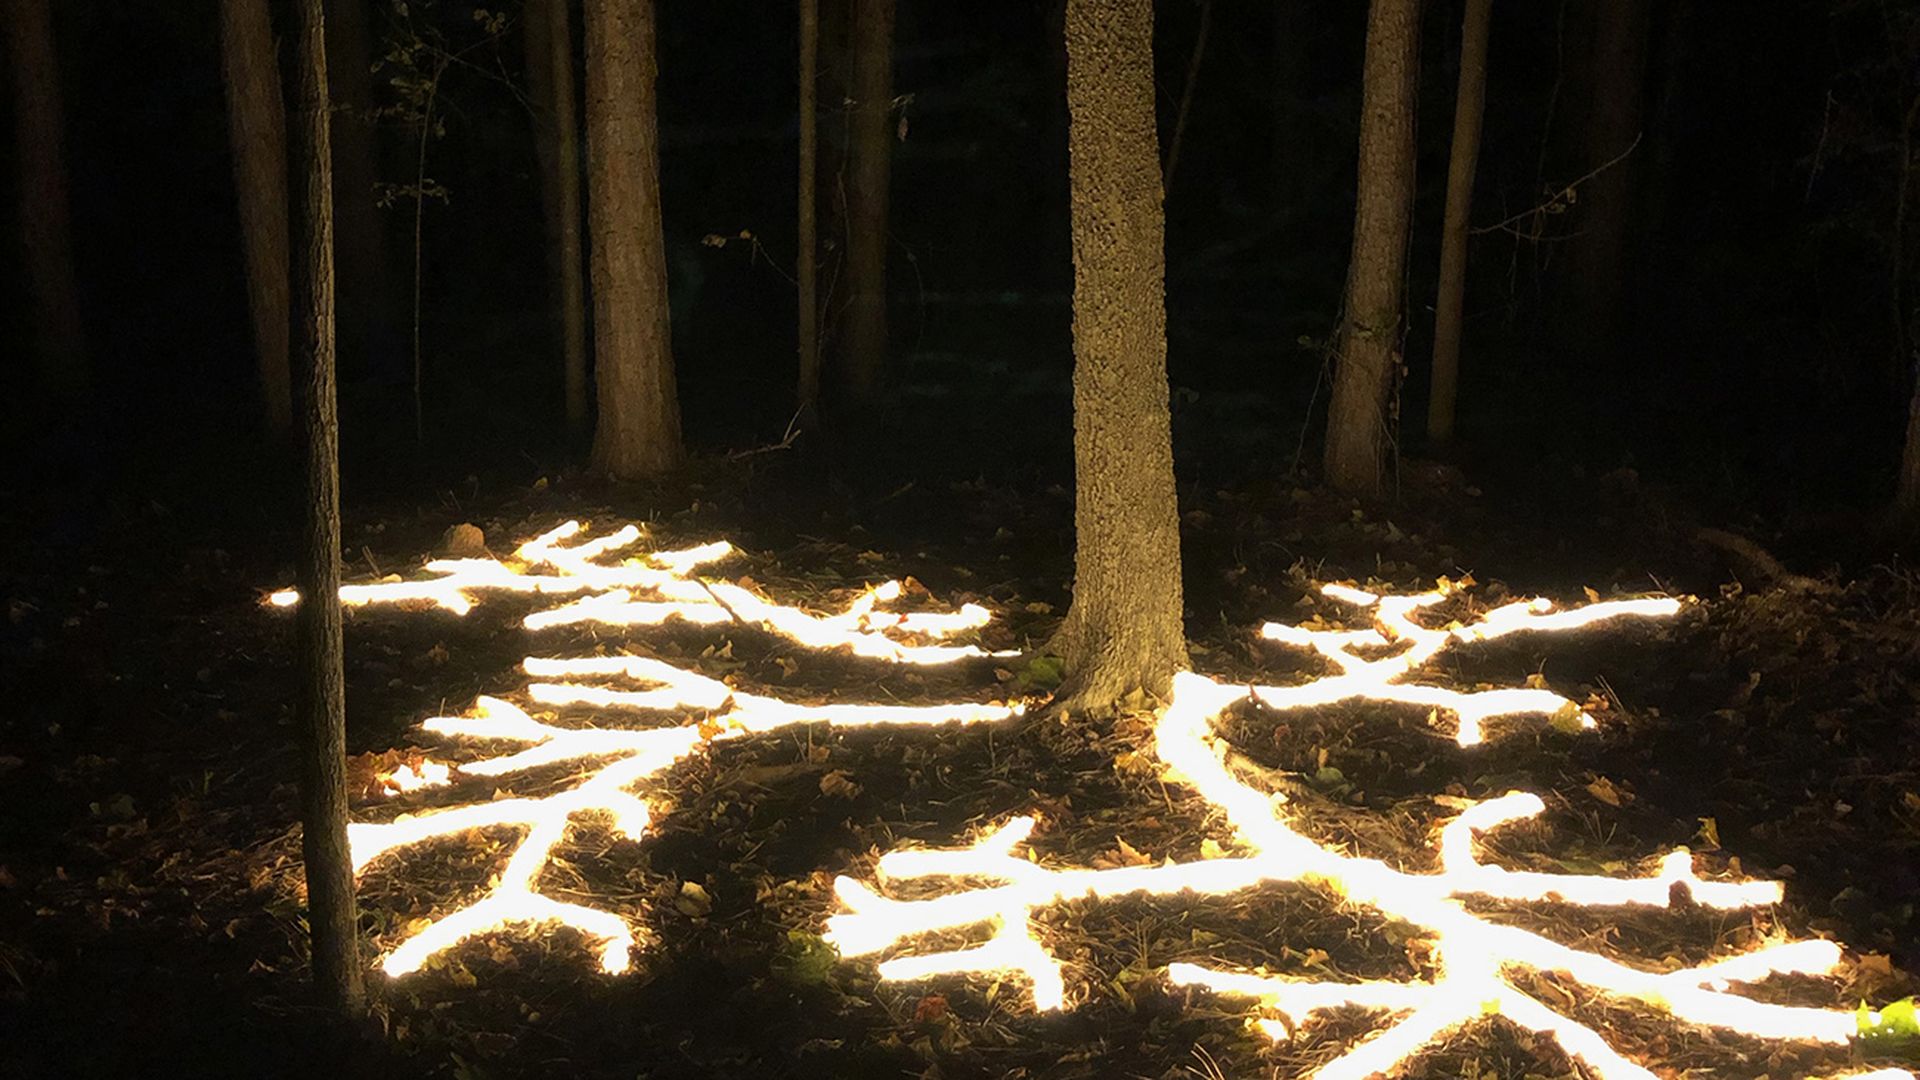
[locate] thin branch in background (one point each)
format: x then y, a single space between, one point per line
1186 98
1556 202
419 195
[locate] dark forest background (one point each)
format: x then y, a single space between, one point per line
1760 363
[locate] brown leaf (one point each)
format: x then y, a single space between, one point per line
839 785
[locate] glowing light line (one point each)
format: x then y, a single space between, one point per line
697 710
1474 954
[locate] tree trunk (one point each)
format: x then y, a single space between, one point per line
1367 348
869 176
556 137
638 433
806 260
1599 257
1907 496
361 272
256 134
1123 632
40 154
1449 310
320 696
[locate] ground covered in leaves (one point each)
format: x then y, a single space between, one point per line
150 919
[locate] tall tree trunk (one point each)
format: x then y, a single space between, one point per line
1617 67
1469 107
1123 632
256 135
870 172
1907 495
320 697
1368 345
40 156
806 260
557 139
361 271
638 433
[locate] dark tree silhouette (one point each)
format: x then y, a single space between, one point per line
39 146
256 134
549 41
1469 107
869 180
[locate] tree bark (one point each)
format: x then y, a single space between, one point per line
46 234
256 135
361 271
869 169
556 137
1469 108
1617 68
638 433
806 260
320 696
1367 348
1907 494
1123 631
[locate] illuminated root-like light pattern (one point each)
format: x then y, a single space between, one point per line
1475 955
652 590
695 710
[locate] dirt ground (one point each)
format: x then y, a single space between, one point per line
150 921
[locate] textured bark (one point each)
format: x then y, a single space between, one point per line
1469 108
806 258
320 695
1907 495
638 432
40 158
1617 68
869 178
1368 345
362 276
256 135
1123 632
557 139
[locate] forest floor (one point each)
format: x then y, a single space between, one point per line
149 875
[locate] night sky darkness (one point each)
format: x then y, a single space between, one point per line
1757 363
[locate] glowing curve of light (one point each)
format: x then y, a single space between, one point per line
698 710
1473 953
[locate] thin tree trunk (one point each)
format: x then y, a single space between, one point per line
1468 111
256 135
638 433
320 696
1907 493
1123 632
40 156
870 174
1599 256
806 261
1186 96
1368 346
361 272
556 136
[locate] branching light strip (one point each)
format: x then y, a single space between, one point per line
1474 955
699 710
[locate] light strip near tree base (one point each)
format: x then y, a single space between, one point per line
1475 956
